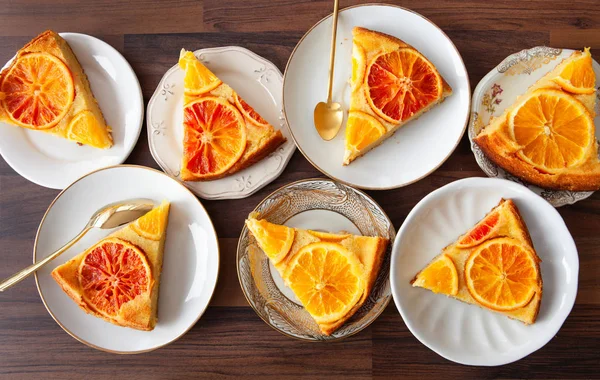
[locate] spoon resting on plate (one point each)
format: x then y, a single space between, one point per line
328 115
108 217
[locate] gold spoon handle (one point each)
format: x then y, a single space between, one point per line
19 276
336 4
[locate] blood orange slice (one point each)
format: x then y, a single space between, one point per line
112 273
249 112
215 136
38 91
481 232
401 83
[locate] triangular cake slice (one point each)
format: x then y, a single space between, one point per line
494 266
554 146
392 83
117 279
331 274
222 133
45 89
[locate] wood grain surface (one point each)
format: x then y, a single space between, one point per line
230 339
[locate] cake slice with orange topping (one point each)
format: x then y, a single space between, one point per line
331 274
547 137
222 133
392 83
494 266
117 279
45 89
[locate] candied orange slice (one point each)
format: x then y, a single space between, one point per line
481 232
214 137
274 239
112 273
553 129
401 83
198 79
502 274
38 91
359 65
362 130
440 276
85 129
152 225
578 76
327 278
249 112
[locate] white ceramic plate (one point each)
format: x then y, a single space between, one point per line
418 148
54 162
466 333
500 88
190 267
258 82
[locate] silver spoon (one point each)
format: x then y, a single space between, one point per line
111 216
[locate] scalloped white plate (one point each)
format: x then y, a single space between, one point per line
500 88
466 333
255 79
55 162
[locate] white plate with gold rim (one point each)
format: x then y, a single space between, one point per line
464 333
190 265
258 82
415 150
55 162
500 88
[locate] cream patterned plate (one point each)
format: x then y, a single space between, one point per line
318 204
500 88
465 333
258 81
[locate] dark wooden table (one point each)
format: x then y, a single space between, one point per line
230 339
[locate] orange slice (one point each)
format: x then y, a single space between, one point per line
113 273
152 225
198 79
502 274
85 129
401 83
553 129
362 130
482 231
215 136
359 65
578 76
440 276
328 236
274 239
249 112
38 91
327 278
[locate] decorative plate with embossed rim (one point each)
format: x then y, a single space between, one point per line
256 80
317 204
500 88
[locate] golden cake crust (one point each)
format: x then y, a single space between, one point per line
370 251
139 313
260 140
374 43
495 142
513 226
52 43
